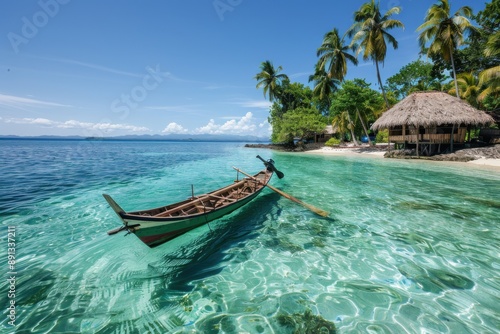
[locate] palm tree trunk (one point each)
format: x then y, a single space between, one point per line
381 86
454 73
351 125
456 90
364 127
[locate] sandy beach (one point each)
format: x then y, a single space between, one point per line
493 164
486 162
348 151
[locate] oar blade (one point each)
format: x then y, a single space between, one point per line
322 213
314 209
270 164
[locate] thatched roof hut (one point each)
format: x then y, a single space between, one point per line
430 119
327 133
431 109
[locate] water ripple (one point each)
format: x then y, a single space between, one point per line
407 248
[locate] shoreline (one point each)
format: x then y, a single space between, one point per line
490 163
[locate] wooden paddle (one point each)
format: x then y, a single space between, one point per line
314 209
270 164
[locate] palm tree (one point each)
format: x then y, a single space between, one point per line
369 32
468 87
445 33
331 70
324 85
334 56
425 85
490 78
343 123
492 48
270 79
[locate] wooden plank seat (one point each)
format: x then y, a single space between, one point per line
203 208
231 193
178 210
222 198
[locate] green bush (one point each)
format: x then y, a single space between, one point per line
333 142
382 136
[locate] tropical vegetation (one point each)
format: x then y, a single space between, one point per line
445 32
462 59
370 34
416 76
354 106
270 79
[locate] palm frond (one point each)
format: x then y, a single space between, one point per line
269 78
390 12
334 55
464 11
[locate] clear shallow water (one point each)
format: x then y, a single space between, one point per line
409 246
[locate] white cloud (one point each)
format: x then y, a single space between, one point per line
72 124
23 102
300 74
266 125
174 128
178 108
261 104
36 121
244 126
99 67
210 128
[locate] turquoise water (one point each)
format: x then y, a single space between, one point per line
409 247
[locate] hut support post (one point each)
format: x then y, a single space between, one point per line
418 148
404 136
452 135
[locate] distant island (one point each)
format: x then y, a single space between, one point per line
176 137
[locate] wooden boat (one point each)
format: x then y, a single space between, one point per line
159 225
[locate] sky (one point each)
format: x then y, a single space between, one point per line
98 68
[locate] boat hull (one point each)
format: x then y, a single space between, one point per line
159 225
157 232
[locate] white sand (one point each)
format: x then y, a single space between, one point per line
494 164
485 161
347 151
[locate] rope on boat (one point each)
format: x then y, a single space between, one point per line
205 212
204 207
207 222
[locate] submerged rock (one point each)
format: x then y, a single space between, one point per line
306 323
468 154
300 147
463 155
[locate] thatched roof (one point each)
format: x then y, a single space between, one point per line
431 108
330 130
